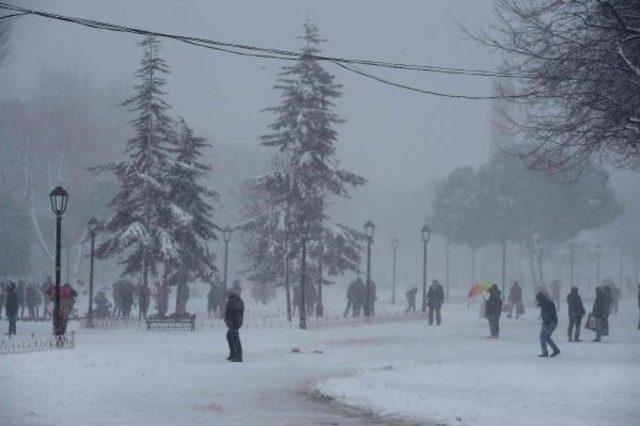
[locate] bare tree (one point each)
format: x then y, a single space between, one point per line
577 61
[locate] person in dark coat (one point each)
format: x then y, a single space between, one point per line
411 299
515 300
600 313
549 317
576 312
352 298
435 298
11 308
492 310
233 317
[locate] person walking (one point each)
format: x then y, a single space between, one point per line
549 317
411 299
233 317
599 312
11 308
515 300
576 312
492 311
435 298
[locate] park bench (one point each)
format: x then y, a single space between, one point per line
172 322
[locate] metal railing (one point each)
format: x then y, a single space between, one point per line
111 323
15 344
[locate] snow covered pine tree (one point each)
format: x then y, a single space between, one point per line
192 234
306 172
141 226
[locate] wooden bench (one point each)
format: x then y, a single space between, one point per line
172 322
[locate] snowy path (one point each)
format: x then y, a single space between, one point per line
169 378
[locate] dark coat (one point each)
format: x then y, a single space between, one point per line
547 309
234 312
435 296
12 302
600 305
493 305
515 294
574 302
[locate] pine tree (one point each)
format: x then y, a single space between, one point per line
307 172
140 227
192 197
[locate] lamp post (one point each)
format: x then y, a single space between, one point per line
369 231
394 245
426 234
226 236
92 227
303 275
598 254
59 198
572 259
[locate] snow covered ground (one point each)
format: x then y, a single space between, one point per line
410 371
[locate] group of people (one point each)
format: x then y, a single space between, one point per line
16 296
605 303
357 297
29 298
434 298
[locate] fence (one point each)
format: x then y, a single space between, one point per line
16 344
111 323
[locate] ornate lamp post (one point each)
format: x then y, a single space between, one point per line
426 235
226 236
304 231
369 231
59 198
92 227
572 259
394 245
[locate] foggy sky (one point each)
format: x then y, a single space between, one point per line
391 136
400 141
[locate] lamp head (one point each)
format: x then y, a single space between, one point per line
58 198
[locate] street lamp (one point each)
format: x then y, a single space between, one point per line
598 254
394 245
572 255
92 227
303 275
226 236
426 235
369 231
59 198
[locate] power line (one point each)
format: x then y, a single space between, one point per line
279 54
